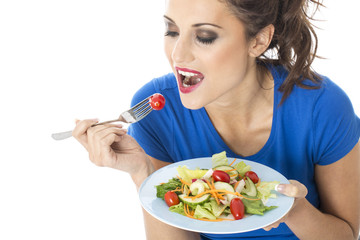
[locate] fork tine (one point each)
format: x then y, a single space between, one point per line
140 103
143 113
140 107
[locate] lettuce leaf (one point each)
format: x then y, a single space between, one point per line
242 168
214 208
265 190
219 159
172 184
256 207
178 208
201 212
188 174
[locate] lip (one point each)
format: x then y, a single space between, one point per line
191 88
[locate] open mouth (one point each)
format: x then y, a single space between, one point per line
188 79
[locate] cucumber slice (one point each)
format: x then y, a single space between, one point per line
233 173
250 188
227 187
198 187
193 202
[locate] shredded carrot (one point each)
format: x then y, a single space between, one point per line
212 191
214 220
177 190
236 184
258 183
184 182
216 192
232 162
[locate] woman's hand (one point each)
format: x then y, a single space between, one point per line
109 145
294 189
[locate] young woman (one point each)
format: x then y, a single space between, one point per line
242 83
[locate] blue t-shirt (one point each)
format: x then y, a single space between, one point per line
311 127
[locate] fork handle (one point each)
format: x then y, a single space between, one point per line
61 135
67 134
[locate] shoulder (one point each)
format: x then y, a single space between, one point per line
325 93
165 85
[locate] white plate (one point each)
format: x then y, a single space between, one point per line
158 208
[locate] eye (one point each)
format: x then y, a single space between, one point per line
206 40
171 34
206 37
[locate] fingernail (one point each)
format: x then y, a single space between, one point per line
280 187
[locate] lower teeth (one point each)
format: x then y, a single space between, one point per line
187 82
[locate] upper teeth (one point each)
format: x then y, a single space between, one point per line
186 74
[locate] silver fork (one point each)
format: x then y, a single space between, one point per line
134 114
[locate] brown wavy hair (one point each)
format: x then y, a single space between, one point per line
294 43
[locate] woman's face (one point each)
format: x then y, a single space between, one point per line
207 49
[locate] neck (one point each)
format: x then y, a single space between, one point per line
251 98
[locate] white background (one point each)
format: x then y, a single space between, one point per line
68 59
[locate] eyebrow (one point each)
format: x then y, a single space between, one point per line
195 25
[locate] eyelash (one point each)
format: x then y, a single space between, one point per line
205 41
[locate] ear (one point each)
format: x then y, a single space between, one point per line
261 41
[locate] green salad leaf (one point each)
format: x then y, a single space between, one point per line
265 190
242 168
255 206
219 159
214 208
201 212
172 184
187 174
178 208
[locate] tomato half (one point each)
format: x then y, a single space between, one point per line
221 176
171 198
157 101
237 208
253 176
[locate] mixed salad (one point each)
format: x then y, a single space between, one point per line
227 191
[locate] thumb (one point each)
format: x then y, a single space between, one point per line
294 189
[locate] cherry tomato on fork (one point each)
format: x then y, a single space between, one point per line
157 101
171 198
221 176
253 176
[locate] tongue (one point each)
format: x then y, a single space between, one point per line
192 80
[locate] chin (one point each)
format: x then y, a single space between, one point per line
191 102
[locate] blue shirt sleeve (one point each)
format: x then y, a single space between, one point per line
153 139
336 126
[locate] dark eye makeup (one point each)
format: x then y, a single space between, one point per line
203 36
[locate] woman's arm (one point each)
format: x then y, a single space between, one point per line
156 229
339 215
110 146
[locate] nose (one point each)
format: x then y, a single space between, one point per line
182 51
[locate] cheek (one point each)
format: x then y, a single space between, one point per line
228 61
168 48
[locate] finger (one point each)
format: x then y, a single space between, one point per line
294 189
96 133
82 126
100 140
274 225
80 130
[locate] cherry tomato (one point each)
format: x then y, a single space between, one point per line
157 101
221 176
237 208
253 176
171 198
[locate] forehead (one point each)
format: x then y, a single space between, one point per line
211 11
